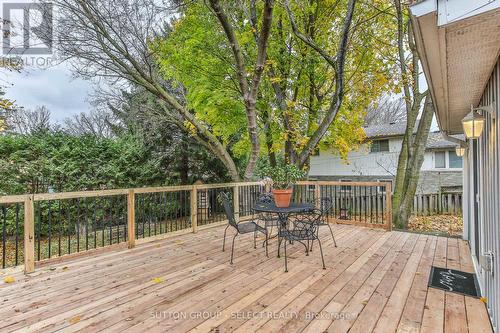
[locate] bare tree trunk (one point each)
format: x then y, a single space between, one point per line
411 173
337 62
413 147
249 91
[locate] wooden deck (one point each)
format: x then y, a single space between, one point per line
375 281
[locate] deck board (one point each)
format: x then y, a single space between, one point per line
374 281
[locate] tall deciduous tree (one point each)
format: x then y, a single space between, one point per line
110 39
411 156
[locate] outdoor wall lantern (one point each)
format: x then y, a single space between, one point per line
460 151
473 123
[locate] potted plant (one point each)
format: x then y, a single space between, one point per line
283 177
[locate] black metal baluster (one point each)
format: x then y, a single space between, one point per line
376 204
68 213
113 216
102 228
50 226
78 225
59 213
86 217
39 228
371 204
110 219
143 213
96 201
118 229
4 236
116 217
366 206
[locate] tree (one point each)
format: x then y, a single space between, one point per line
413 147
27 122
7 106
298 85
110 39
97 122
248 90
387 109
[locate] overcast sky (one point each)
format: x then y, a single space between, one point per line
53 87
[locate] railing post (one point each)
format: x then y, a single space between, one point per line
236 203
317 195
29 235
194 208
388 205
131 219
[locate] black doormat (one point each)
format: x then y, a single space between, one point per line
455 281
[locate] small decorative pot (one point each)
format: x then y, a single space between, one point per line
282 198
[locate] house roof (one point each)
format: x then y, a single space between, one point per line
434 141
385 130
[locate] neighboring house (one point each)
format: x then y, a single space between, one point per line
377 160
459 45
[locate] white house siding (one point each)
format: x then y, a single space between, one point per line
484 236
362 165
359 163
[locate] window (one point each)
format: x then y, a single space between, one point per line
379 146
440 159
455 162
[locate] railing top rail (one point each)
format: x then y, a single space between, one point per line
328 182
9 199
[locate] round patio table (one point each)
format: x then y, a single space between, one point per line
283 212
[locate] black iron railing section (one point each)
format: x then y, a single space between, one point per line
11 229
65 226
361 203
209 208
248 195
161 212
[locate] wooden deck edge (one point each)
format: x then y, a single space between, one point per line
359 224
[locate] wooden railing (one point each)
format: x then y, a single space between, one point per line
37 228
437 204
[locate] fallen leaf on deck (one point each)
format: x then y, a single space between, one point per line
179 242
364 302
157 280
52 268
484 300
9 279
75 320
65 268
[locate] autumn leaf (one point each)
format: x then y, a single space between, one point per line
9 279
484 300
75 320
157 280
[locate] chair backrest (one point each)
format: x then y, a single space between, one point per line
326 206
228 209
265 198
305 224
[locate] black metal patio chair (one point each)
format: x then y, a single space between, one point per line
270 220
326 207
303 228
241 228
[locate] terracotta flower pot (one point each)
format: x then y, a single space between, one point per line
282 198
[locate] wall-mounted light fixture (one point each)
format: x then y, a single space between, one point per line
473 123
460 151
